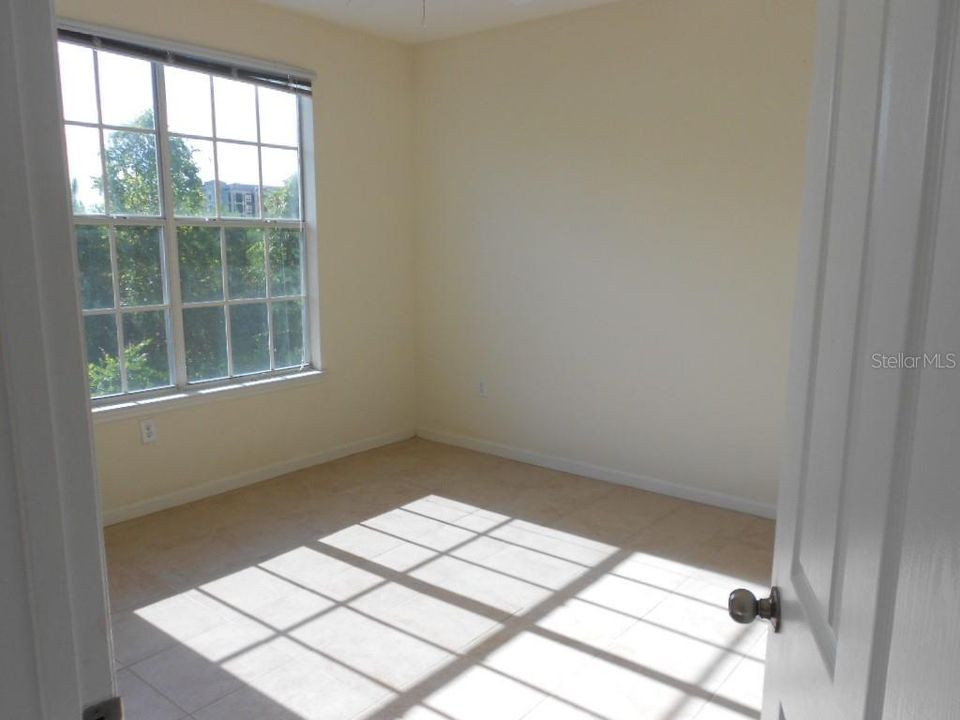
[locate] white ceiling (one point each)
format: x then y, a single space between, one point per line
401 19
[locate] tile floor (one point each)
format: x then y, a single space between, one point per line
426 582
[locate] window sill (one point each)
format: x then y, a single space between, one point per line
126 408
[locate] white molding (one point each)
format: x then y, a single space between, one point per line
132 407
217 486
600 472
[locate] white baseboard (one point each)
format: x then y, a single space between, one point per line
598 472
222 485
575 467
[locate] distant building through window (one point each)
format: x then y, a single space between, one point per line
238 199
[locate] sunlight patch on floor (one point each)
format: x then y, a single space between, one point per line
442 610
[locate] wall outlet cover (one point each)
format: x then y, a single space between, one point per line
148 431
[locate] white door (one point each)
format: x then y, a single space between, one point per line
53 616
867 555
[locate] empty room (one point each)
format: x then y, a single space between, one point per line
479 360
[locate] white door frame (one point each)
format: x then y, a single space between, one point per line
57 653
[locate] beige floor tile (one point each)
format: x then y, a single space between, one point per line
565 545
705 621
141 633
405 525
314 570
481 694
671 652
717 711
758 651
406 556
419 713
443 623
745 561
485 586
249 589
361 541
555 709
380 486
135 639
699 536
482 520
142 702
372 648
188 564
555 496
653 570
613 692
307 688
534 567
445 538
479 548
484 490
195 673
743 689
626 596
541 663
620 514
586 623
134 584
427 582
440 508
292 610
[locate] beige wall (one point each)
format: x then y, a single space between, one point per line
608 207
595 213
363 125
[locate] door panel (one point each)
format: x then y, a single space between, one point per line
873 163
818 560
843 128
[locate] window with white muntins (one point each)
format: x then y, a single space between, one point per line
185 179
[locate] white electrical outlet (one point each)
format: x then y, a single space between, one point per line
148 431
482 388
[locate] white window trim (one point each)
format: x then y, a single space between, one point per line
118 407
136 405
175 46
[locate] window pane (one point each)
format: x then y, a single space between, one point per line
126 90
86 172
139 266
288 333
284 262
201 274
281 183
145 350
78 86
245 272
188 102
205 343
249 338
235 108
191 170
103 364
96 276
278 117
239 180
132 173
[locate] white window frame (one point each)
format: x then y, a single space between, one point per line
181 391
